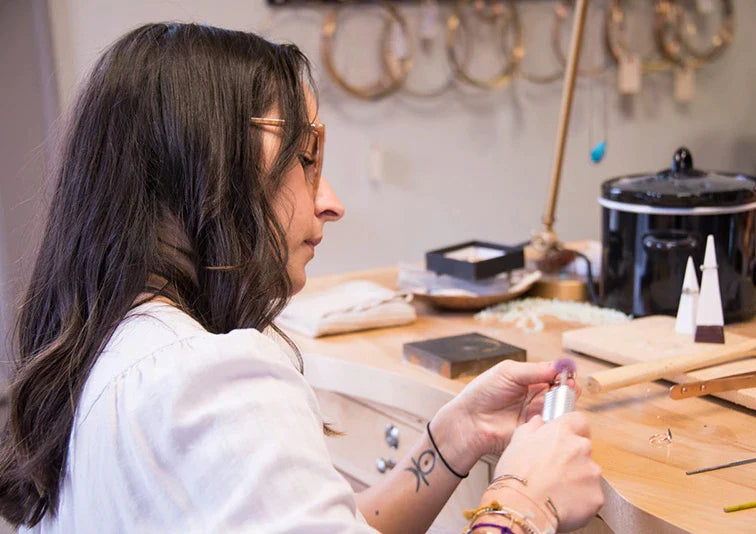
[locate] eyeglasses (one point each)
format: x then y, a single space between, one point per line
312 159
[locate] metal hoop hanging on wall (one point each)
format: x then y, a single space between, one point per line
719 41
666 34
390 81
616 40
541 78
391 62
455 22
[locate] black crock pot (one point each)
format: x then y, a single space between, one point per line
653 222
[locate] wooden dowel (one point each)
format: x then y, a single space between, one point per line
635 373
568 90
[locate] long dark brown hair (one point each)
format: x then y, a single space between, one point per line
161 188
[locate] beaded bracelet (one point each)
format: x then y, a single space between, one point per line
470 515
502 528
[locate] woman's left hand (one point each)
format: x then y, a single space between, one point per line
483 417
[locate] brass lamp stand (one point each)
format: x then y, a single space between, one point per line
549 253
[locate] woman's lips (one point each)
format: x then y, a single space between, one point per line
312 243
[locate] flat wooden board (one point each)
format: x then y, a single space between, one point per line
653 338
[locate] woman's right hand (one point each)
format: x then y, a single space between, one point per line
555 458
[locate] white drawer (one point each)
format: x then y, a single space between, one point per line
364 441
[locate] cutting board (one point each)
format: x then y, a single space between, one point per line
654 337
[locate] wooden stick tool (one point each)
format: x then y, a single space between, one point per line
637 373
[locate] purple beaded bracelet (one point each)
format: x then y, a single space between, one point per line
502 528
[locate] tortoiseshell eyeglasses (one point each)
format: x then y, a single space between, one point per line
312 157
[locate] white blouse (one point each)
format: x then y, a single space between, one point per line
179 430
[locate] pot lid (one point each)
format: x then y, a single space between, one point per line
682 186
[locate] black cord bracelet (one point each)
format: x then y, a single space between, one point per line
433 441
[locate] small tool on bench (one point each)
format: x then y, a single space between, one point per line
721 466
715 385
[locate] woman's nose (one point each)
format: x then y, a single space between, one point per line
327 204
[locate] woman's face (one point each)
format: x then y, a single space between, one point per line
300 208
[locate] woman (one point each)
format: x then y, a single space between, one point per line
147 396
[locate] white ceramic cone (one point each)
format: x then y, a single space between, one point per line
686 311
709 317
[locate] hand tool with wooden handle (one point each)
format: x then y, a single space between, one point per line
636 373
715 385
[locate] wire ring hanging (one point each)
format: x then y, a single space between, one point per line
560 16
616 41
719 41
453 25
489 11
666 21
391 61
390 81
680 44
540 78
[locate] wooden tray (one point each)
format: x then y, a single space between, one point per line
651 338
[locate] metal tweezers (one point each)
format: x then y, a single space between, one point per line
716 385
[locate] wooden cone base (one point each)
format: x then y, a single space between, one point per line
709 334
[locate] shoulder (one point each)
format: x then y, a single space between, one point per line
158 348
181 427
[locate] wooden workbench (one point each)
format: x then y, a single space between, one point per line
645 485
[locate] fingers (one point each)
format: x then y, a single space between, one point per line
571 423
534 401
577 423
529 427
535 423
575 386
555 458
527 373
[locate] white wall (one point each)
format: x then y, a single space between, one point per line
28 106
467 165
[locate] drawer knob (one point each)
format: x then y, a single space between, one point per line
384 464
392 436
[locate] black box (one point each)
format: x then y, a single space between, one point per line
463 355
440 262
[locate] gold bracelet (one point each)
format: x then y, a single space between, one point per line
499 483
616 41
560 16
553 508
548 509
453 25
393 63
390 82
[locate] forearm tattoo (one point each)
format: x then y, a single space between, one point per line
424 465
